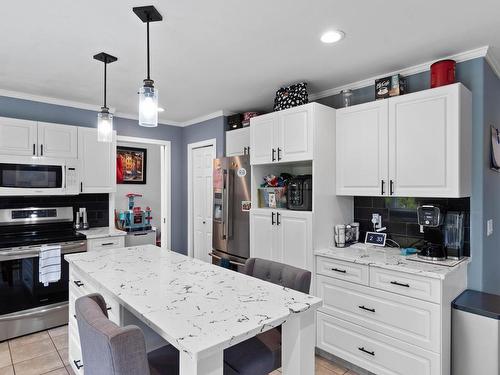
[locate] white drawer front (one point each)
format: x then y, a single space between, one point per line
414 321
372 351
79 285
406 284
106 243
356 273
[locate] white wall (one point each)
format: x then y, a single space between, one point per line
151 191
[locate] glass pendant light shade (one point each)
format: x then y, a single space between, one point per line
104 126
148 106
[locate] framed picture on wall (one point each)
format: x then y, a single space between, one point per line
131 165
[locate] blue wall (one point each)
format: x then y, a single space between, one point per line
178 136
472 74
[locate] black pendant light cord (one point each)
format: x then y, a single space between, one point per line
147 36
105 80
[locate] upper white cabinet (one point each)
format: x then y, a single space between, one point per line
415 145
57 141
31 138
18 137
284 136
98 162
362 149
238 142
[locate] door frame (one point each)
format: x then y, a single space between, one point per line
190 147
165 186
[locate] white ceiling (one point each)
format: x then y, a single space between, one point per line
232 55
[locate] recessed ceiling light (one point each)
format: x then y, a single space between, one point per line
160 109
332 36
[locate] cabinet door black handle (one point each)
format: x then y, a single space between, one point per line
366 308
34 149
272 218
274 155
339 270
366 351
78 365
279 157
391 187
400 284
41 150
81 187
78 283
244 150
382 189
278 219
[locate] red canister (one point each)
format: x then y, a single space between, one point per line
443 73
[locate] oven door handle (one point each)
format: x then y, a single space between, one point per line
33 314
35 251
17 253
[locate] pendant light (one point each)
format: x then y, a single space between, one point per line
148 95
104 118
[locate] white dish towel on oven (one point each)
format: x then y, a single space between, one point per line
49 268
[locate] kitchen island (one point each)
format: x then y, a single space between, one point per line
199 308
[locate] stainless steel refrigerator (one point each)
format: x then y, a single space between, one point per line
231 216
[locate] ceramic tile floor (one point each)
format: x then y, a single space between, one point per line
47 353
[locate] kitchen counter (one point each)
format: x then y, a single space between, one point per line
388 258
196 306
102 232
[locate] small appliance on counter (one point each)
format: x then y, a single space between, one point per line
346 234
299 194
135 219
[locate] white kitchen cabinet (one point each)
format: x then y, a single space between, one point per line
362 149
238 142
430 143
57 141
98 162
263 135
18 137
416 145
282 236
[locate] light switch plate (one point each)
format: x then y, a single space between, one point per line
489 227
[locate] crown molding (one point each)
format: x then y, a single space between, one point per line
459 57
493 62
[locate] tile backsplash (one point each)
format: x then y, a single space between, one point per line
399 215
97 205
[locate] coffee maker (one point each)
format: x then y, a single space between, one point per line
430 219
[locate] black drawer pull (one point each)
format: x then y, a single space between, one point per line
78 283
339 270
78 364
108 244
366 308
400 284
366 351
108 308
140 234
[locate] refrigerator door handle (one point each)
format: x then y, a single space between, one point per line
226 230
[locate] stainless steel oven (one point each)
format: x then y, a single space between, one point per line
26 304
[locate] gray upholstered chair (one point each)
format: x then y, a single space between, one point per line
108 349
261 354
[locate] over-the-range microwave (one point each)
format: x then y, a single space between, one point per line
25 175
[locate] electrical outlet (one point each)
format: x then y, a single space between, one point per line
489 227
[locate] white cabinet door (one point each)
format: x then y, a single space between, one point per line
262 234
295 134
18 137
57 141
424 138
295 238
238 142
263 133
362 149
98 162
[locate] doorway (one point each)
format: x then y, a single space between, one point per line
157 189
200 200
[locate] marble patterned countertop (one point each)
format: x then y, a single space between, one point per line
102 232
196 306
388 258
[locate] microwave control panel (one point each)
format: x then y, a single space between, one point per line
72 177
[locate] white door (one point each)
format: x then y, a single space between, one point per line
18 137
295 134
263 133
57 141
238 142
98 162
362 149
424 139
202 159
263 238
295 238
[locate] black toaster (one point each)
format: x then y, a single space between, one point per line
299 193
